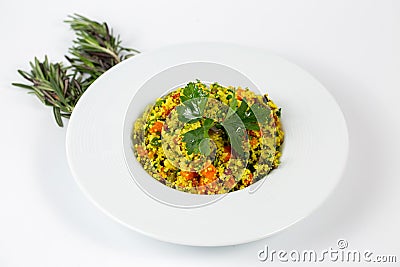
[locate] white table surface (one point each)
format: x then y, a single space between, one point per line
352 47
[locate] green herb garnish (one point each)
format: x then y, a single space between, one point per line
252 117
156 141
194 100
54 87
198 140
239 119
95 50
235 129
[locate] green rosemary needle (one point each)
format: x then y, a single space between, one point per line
94 51
53 86
95 48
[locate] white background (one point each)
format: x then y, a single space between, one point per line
352 47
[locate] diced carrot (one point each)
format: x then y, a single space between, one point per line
176 95
163 173
141 151
230 182
156 128
167 111
255 133
253 141
201 181
209 172
188 175
248 180
239 94
227 150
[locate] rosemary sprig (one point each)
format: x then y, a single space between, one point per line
95 50
53 86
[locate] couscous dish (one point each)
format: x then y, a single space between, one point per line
209 139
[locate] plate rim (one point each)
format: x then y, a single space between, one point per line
109 214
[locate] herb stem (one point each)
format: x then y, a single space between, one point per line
94 51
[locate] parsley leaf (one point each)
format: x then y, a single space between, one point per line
262 112
237 121
235 129
244 118
193 139
194 101
247 116
232 105
198 140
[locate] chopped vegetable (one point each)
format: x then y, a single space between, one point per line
198 140
157 127
204 139
209 172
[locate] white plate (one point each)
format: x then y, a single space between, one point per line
314 154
